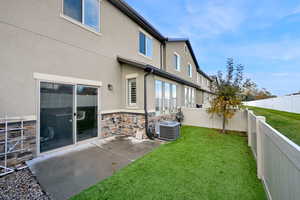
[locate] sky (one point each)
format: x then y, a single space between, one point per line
263 35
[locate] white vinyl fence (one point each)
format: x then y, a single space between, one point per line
278 159
200 117
284 103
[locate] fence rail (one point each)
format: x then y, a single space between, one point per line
278 159
285 103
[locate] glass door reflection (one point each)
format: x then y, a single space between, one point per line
56 115
87 112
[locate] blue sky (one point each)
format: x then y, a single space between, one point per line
262 35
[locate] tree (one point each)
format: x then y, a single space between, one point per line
252 93
228 92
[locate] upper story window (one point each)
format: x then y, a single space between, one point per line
185 49
86 12
132 96
199 78
190 70
177 61
145 45
208 83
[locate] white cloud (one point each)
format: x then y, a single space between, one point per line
296 11
211 18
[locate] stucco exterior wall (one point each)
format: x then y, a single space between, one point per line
186 58
129 71
36 38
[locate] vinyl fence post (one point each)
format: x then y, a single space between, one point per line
259 149
249 127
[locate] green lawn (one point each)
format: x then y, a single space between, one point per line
286 123
203 164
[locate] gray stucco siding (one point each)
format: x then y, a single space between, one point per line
35 38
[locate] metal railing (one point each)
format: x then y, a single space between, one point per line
10 144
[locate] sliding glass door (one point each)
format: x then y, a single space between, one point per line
87 112
68 114
56 115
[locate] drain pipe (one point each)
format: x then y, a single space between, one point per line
148 133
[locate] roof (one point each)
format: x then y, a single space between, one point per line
188 43
159 72
136 17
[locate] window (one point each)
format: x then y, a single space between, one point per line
200 79
189 97
158 97
192 97
190 70
167 97
185 49
177 61
132 92
145 45
174 99
86 12
186 97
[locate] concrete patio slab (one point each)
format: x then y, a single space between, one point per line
65 174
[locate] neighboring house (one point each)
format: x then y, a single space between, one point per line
76 70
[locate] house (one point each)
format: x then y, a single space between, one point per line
77 70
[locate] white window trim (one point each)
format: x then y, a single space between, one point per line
65 79
190 68
130 76
129 104
82 25
150 37
175 53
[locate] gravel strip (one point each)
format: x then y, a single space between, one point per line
21 185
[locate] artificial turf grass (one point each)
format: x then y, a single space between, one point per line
286 123
202 164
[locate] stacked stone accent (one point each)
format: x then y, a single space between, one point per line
129 124
18 158
123 124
